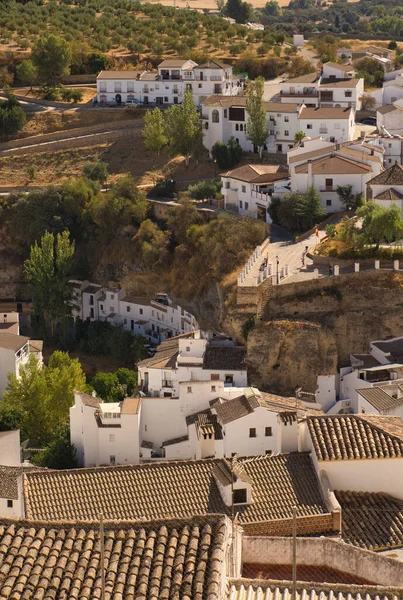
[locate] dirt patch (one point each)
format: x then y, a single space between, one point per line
87 92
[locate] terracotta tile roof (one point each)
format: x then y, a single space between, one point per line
371 520
324 113
158 559
173 62
258 173
351 437
35 345
360 155
9 482
220 358
146 444
379 398
384 110
240 102
129 74
310 78
339 83
205 422
93 288
166 353
236 408
255 589
334 165
177 440
130 406
389 194
345 68
89 400
173 489
213 64
391 176
11 341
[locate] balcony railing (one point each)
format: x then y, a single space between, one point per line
328 188
167 383
312 94
322 130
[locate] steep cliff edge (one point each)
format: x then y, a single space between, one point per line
307 328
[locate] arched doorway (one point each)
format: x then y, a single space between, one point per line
118 99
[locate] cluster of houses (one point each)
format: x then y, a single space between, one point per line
200 481
154 318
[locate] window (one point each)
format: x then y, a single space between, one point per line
225 113
9 504
130 86
91 300
215 377
271 131
309 126
286 119
227 185
244 188
166 99
229 379
102 87
111 309
200 85
236 127
252 432
348 94
268 452
187 348
112 459
286 133
213 388
328 203
240 496
125 321
268 431
112 297
189 389
141 311
111 437
246 205
102 307
240 204
118 86
128 308
241 127
92 313
215 116
329 183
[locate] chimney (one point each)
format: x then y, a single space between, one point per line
309 173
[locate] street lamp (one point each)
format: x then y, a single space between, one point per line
277 272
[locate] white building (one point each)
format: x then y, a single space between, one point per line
191 357
248 190
14 354
204 421
11 484
363 453
387 187
332 70
332 124
389 118
223 118
315 90
390 145
168 84
154 318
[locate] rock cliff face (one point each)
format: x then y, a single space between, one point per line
308 328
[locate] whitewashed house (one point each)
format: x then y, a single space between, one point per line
223 118
11 484
315 90
192 357
167 85
332 124
15 351
362 452
390 145
154 318
332 70
248 190
204 421
387 187
389 118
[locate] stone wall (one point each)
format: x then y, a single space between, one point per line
325 552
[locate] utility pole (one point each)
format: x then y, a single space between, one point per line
102 546
294 553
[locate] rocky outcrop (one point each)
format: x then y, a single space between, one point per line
308 328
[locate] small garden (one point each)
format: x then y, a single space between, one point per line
375 232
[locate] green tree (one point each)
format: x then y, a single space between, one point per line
51 55
43 395
12 119
256 125
392 45
97 61
96 171
47 271
298 137
152 243
380 224
128 377
27 72
59 454
299 66
238 10
220 5
272 9
181 218
155 137
183 127
309 206
108 387
348 199
370 70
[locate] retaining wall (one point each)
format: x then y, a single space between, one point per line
364 564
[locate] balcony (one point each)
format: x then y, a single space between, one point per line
328 189
216 78
323 130
307 94
167 383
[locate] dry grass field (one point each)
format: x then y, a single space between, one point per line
212 5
